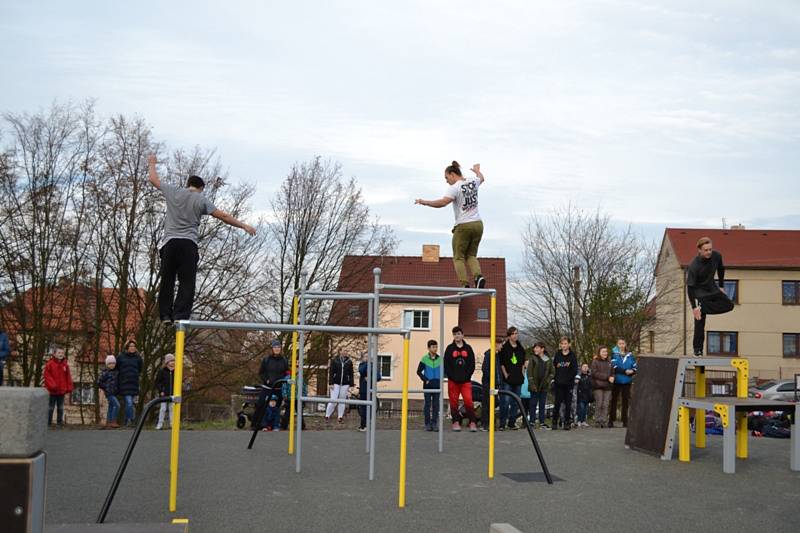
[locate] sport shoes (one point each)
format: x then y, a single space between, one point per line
340 420
480 282
513 427
473 427
362 429
456 426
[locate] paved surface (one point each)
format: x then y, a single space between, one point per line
226 488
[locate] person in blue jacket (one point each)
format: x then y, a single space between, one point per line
430 372
623 367
363 370
5 350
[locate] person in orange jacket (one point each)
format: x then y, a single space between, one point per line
58 382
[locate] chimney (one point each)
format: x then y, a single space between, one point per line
430 253
738 226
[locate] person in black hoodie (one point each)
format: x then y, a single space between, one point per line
512 365
486 372
273 368
340 379
584 382
705 296
566 365
164 381
459 365
129 367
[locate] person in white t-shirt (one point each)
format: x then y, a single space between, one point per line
468 230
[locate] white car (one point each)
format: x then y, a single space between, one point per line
782 390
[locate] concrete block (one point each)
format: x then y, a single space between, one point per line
23 421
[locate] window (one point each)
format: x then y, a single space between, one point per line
791 344
732 289
385 363
722 342
791 293
82 394
786 387
417 319
483 314
354 312
651 341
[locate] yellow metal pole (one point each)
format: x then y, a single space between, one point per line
177 390
492 383
683 434
293 393
700 414
742 367
741 435
404 425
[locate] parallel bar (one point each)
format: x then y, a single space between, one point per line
265 326
794 458
729 443
416 298
370 392
700 414
317 399
177 391
376 321
331 294
741 435
492 384
463 290
441 377
344 296
404 425
293 388
684 453
300 363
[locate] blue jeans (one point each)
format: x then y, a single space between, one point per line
538 399
583 407
113 408
509 410
2 364
130 413
431 409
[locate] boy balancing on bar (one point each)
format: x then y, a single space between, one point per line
468 230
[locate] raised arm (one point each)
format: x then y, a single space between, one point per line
152 174
231 221
441 202
476 168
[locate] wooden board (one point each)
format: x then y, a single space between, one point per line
652 397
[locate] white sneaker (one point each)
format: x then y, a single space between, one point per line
158 427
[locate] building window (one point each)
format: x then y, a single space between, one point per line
82 394
354 312
417 319
483 314
722 342
791 344
791 293
732 289
651 341
385 364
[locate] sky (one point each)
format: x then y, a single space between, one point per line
672 113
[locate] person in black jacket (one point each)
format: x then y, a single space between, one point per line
273 368
566 366
584 383
459 365
129 367
705 296
486 372
164 382
512 364
340 379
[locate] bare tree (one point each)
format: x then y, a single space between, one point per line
584 279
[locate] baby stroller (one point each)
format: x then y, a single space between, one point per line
249 399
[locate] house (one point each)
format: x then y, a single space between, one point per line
762 276
472 314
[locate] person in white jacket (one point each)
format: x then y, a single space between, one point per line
340 379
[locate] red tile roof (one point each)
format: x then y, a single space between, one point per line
744 248
356 276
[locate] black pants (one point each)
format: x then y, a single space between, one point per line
58 403
178 258
618 390
362 409
563 394
716 304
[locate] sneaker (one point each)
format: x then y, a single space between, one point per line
483 428
340 420
166 322
502 427
158 427
513 427
567 427
362 430
480 282
456 426
473 427
698 353
327 419
267 429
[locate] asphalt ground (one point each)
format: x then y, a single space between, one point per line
223 487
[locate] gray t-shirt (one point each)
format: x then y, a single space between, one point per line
184 209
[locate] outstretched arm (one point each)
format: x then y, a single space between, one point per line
476 168
231 221
152 174
441 202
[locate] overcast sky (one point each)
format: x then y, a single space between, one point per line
662 113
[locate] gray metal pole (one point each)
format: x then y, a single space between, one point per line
300 363
368 381
267 326
441 377
376 272
463 290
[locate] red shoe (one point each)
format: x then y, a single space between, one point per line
473 427
456 426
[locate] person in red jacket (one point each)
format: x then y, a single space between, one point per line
58 382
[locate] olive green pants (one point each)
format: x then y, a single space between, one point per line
466 239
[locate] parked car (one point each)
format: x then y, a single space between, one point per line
782 390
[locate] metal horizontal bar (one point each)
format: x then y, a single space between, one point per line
317 399
465 290
413 297
338 296
266 326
